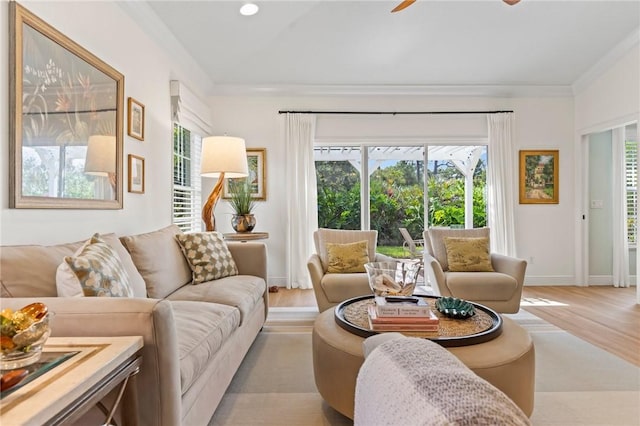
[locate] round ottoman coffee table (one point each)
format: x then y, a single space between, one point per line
506 361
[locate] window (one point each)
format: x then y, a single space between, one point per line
383 187
631 177
186 179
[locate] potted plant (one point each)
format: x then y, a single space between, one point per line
243 204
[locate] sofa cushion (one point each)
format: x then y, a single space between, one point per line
341 236
340 287
481 286
347 258
208 256
468 254
158 258
201 330
30 270
240 291
94 270
436 245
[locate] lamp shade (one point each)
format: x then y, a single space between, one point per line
101 155
224 154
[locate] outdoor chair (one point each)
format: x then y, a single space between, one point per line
414 247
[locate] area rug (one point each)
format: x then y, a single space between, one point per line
576 382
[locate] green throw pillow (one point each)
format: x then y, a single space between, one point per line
468 254
208 256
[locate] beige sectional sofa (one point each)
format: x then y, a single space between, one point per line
195 336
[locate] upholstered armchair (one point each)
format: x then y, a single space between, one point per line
332 288
500 290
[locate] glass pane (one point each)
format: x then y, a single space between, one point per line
338 180
396 194
450 170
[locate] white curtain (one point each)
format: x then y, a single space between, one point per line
501 180
619 195
302 203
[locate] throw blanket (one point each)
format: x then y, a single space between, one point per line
411 381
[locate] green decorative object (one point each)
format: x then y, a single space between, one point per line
453 307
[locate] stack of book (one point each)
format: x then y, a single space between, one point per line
402 314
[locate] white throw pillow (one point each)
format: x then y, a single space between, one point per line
94 270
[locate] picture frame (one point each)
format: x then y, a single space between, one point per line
136 174
256 159
61 96
135 122
539 177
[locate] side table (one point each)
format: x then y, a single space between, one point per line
68 390
246 236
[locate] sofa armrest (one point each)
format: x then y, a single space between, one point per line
159 378
250 258
510 265
383 258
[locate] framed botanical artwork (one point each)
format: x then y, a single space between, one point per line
135 128
61 98
539 177
136 174
256 160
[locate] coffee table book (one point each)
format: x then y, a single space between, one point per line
385 308
377 323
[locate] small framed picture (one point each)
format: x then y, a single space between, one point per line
136 174
256 162
135 128
539 177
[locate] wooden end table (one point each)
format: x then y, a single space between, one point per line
91 368
246 236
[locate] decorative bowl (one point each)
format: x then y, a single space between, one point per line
393 278
23 334
453 307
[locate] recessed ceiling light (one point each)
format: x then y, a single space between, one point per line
249 9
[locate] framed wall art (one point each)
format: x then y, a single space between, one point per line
136 174
539 177
61 97
135 127
256 159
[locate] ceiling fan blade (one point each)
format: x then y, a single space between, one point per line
511 2
405 4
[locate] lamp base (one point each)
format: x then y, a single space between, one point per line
207 210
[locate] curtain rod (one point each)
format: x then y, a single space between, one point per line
393 112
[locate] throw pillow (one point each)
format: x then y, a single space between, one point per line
468 254
94 270
347 258
208 256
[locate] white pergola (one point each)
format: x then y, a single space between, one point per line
464 157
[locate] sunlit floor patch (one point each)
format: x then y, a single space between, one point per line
540 302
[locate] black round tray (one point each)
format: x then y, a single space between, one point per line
447 341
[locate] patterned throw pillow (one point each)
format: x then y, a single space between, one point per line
94 270
468 254
347 258
208 256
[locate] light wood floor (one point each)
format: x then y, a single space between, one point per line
607 317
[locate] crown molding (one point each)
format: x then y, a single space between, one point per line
502 91
607 61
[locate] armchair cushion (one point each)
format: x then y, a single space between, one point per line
478 287
435 241
468 254
347 258
324 236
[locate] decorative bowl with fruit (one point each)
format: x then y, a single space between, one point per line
22 335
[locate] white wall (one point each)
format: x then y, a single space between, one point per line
105 30
541 123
